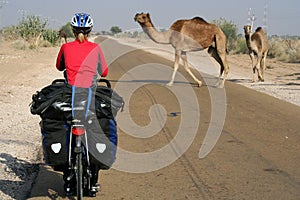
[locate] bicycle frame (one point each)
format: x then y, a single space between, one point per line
76 154
78 131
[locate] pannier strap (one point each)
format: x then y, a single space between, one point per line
88 103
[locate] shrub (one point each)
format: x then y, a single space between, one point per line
33 30
51 36
230 30
115 30
31 27
240 46
10 33
286 50
20 44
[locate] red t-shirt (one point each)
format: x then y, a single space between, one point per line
82 61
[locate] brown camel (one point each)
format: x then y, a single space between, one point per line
189 35
62 35
257 44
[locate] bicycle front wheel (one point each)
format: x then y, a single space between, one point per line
79 176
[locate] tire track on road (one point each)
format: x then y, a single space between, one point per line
192 173
185 162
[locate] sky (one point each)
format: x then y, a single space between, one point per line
282 17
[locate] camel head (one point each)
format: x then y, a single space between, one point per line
247 29
142 18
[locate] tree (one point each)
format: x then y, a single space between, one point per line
230 30
115 29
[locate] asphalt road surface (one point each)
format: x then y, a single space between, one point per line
185 142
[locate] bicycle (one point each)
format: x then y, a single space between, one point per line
78 147
78 157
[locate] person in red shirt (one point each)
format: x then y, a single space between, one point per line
81 58
82 62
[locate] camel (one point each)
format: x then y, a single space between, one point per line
62 35
188 35
257 44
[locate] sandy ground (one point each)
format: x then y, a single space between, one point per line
25 72
22 74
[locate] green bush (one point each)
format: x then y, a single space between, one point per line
240 46
230 30
31 27
115 30
33 30
51 36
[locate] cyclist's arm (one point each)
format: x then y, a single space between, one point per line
60 60
102 67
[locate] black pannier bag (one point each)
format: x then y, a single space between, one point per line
102 147
108 102
55 142
55 129
43 101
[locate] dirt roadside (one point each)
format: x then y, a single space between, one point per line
24 72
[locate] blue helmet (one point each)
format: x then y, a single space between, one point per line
82 23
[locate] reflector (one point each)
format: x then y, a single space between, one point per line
78 130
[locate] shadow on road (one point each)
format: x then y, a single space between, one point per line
24 171
161 82
49 183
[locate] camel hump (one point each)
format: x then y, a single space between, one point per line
200 19
259 29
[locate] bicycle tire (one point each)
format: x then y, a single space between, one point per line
79 176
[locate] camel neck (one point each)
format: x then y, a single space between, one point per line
247 36
156 36
248 39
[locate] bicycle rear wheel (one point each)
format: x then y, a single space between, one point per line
79 176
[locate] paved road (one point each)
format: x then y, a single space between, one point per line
257 138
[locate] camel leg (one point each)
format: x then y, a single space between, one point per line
252 56
263 66
258 66
224 67
213 52
187 68
176 65
220 57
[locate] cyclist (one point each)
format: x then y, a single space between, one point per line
82 61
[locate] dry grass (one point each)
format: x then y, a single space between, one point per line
286 50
